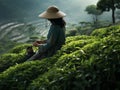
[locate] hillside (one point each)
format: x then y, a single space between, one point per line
14 33
83 63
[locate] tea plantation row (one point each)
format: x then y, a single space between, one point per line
83 63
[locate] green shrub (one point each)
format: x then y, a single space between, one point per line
83 63
88 67
15 56
19 49
104 32
71 33
19 76
79 37
10 59
93 67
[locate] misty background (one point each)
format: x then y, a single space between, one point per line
19 21
28 10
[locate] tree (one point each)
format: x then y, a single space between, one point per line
92 9
107 5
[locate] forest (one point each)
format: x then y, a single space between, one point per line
89 60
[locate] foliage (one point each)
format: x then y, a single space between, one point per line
92 9
107 5
104 32
14 57
83 69
19 76
71 33
19 48
83 63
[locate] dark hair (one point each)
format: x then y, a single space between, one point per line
58 21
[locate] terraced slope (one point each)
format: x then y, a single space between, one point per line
83 63
16 32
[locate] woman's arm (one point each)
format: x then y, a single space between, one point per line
37 43
41 42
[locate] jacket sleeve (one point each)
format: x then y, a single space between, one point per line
50 41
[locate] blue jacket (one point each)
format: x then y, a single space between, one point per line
55 40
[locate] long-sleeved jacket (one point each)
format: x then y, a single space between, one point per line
55 39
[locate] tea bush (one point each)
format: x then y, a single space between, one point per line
83 63
94 67
79 37
10 59
20 75
104 32
76 45
15 56
19 49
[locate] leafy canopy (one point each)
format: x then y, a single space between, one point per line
92 9
106 5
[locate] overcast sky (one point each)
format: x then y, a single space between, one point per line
30 9
75 9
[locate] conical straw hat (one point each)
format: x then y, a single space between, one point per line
52 12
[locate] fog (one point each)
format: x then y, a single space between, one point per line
26 10
75 9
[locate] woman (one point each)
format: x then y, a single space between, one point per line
56 34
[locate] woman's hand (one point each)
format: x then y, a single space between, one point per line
35 44
41 42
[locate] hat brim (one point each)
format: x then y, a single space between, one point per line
47 15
